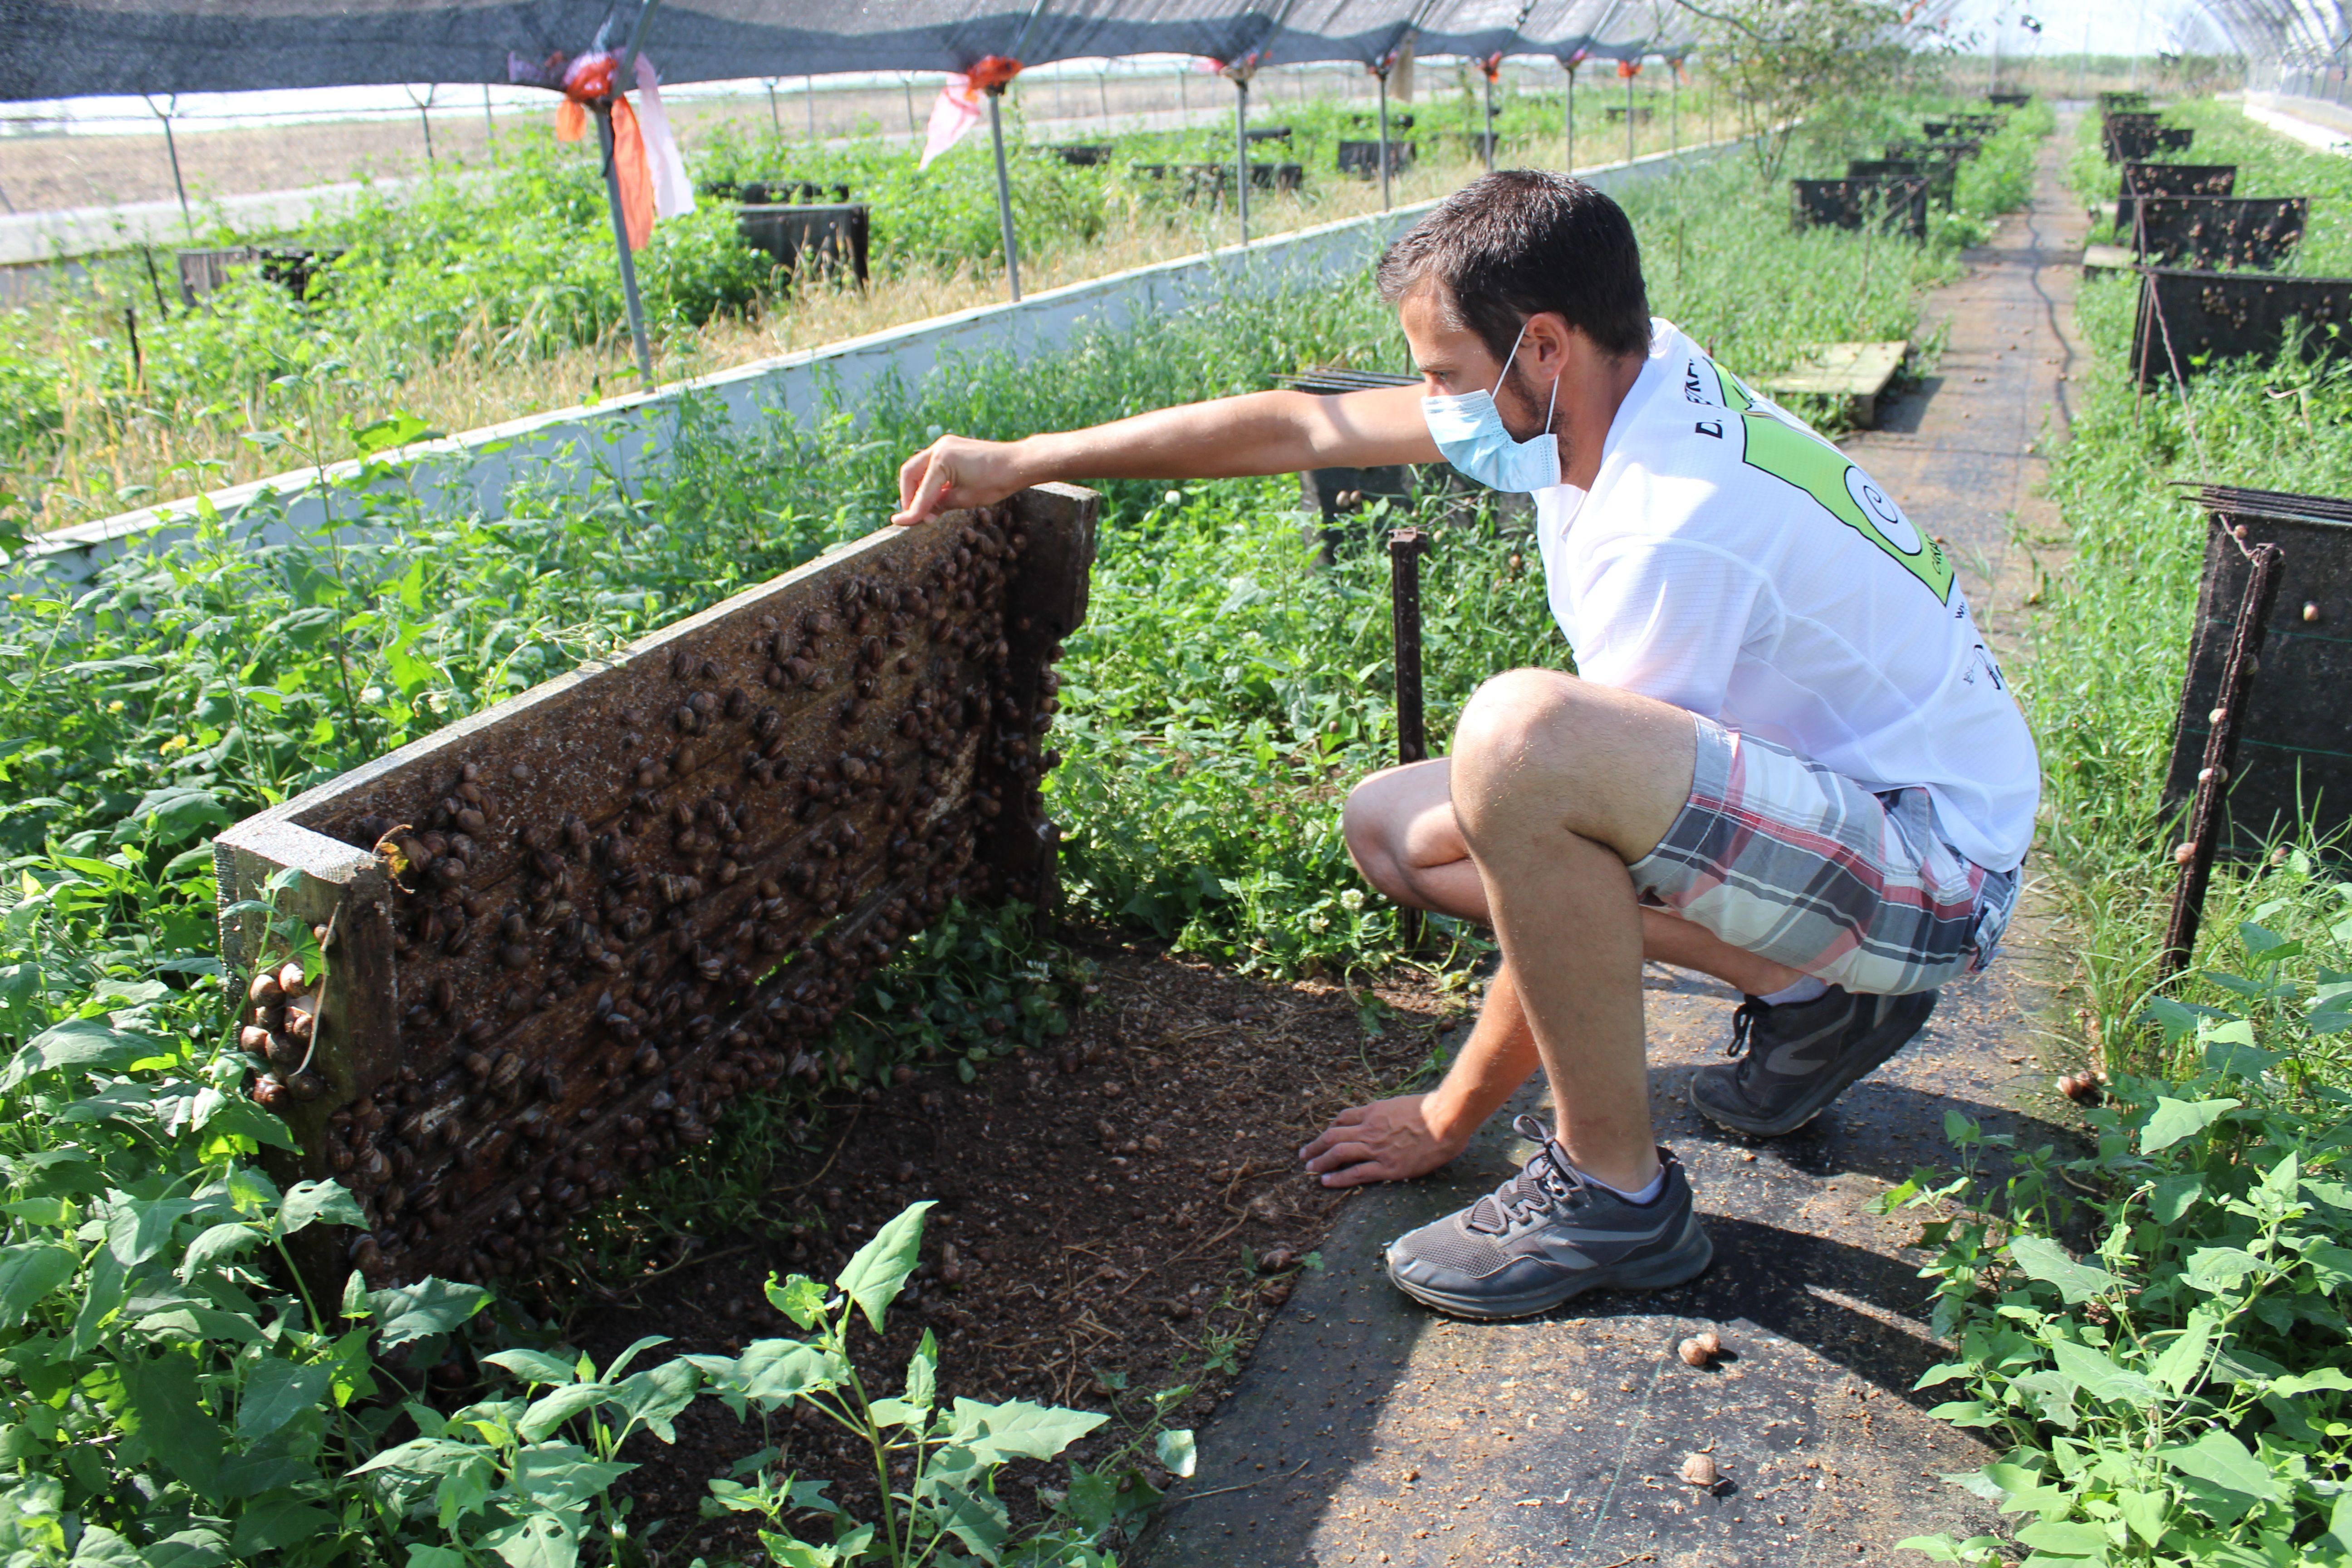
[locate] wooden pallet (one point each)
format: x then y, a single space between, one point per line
2108 258
1859 372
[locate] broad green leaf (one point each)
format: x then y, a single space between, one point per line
198 1548
2339 1521
2183 1361
536 1541
801 1299
1018 1430
28 1272
2045 1260
536 1366
551 1411
171 1420
139 1228
562 1475
101 1548
2218 1269
431 1306
653 1397
770 1371
2220 1460
2100 1376
2325 1377
2145 1513
264 1528
1943 1372
421 1556
1178 1452
218 1245
173 813
275 1392
2086 1541
2178 1119
873 1277
892 1411
2230 1049
2330 1264
90 1044
318 1200
422 1457
2173 1196
643 1343
786 1552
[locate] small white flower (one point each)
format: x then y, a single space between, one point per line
1319 921
1173 498
1352 900
933 431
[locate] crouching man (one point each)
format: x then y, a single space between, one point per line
1786 759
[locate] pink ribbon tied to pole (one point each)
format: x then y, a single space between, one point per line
957 109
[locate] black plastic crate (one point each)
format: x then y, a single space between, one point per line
2295 748
2207 233
2135 144
1896 204
1363 158
2190 321
809 238
1940 173
2177 180
1083 154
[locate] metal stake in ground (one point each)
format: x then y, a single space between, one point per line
1629 113
2221 756
1406 547
1240 152
1570 116
620 244
1382 75
1004 192
1486 137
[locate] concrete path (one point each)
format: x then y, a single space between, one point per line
1367 1431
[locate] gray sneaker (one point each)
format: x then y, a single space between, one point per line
1547 1235
1794 1059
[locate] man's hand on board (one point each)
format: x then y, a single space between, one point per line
953 472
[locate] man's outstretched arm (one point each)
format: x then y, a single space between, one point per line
1229 437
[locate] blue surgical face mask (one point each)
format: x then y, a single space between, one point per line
1468 428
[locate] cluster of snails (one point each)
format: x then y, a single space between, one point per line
583 994
280 1027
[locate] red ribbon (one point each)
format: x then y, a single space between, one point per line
993 71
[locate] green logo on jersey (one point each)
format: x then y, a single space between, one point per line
1827 475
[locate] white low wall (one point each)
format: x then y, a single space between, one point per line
627 435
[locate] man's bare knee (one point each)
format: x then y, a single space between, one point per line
1512 731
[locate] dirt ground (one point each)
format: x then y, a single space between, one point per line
1102 1204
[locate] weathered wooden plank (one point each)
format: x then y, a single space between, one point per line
563 931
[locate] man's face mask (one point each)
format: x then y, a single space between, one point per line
1468 428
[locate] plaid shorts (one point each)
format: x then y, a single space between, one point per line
1799 864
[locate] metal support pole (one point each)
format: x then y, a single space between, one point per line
621 244
808 101
908 82
1486 139
1102 91
1005 193
1571 118
1241 154
1383 77
776 116
2220 757
489 126
426 121
172 145
1673 111
1629 119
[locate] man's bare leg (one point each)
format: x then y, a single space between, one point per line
1406 838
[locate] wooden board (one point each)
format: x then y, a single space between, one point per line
2108 258
1856 371
563 931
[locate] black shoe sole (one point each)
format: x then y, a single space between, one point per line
1683 1262
1833 1084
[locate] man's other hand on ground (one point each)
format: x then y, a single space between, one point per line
1387 1140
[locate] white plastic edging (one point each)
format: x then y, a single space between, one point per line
621 437
2314 122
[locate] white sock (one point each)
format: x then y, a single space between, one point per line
1648 1194
1806 989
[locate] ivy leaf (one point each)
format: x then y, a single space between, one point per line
874 1278
431 1306
29 1272
2043 1259
2178 1119
312 1202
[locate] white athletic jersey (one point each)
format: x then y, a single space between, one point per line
1730 562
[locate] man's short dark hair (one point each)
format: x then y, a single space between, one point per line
1518 241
